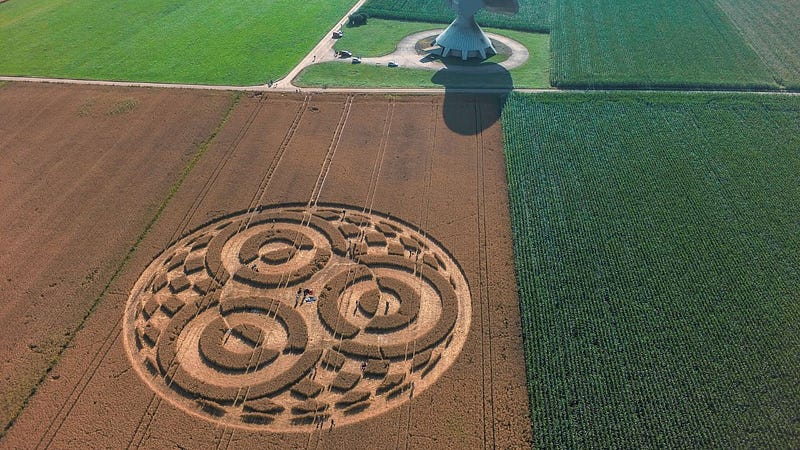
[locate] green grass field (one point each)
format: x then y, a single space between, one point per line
650 44
224 42
533 74
534 15
657 248
772 28
379 36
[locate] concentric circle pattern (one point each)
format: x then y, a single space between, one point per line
289 317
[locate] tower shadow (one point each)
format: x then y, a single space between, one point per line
474 94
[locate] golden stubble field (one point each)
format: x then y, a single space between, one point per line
392 210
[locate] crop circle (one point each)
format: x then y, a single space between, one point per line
288 317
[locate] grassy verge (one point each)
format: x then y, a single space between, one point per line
224 42
656 249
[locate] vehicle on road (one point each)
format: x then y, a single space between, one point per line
392 64
356 60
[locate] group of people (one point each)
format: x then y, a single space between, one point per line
304 295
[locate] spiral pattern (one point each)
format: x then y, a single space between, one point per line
288 317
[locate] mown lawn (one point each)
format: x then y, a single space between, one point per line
242 42
533 74
657 246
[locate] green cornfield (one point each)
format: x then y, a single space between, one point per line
533 14
651 44
772 28
657 247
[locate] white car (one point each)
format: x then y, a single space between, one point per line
392 64
356 60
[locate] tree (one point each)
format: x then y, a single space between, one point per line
358 19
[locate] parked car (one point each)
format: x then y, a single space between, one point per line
338 34
392 64
345 54
356 60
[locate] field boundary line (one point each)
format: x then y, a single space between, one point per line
276 160
749 44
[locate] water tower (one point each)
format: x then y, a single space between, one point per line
464 37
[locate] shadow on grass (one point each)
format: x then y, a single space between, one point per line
473 99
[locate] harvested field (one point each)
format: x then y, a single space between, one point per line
441 368
643 45
76 196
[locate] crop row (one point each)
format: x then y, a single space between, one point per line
635 44
656 244
771 27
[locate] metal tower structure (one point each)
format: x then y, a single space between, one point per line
464 37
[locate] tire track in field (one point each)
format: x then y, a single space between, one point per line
226 435
146 419
372 188
312 203
63 412
483 279
181 229
276 160
326 163
360 237
155 401
427 180
76 392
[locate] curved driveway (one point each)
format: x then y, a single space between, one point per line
406 55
